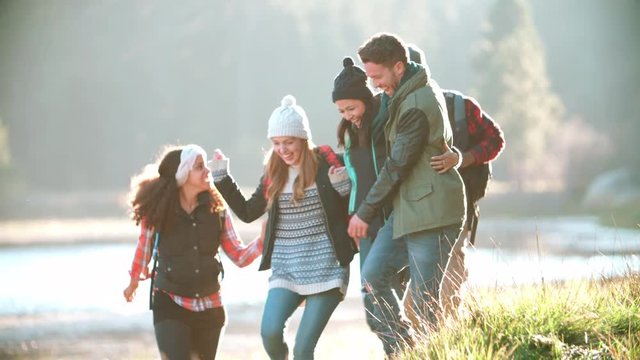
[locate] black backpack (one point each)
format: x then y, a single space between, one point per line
475 177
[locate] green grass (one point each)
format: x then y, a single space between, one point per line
598 319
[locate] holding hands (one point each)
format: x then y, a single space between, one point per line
219 165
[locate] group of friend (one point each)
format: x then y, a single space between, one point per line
394 193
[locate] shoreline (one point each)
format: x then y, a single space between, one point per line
117 336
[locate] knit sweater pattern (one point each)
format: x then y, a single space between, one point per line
304 260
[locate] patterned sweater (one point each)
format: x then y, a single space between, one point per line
304 260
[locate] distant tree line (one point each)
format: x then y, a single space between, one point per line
91 89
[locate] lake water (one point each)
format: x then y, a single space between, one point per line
41 279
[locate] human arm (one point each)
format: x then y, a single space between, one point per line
246 210
489 136
485 135
139 266
240 254
412 134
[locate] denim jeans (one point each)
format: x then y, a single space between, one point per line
426 253
280 305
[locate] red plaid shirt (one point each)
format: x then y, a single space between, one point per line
484 132
240 254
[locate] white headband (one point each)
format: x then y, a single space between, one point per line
188 158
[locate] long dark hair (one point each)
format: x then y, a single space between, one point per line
154 199
362 136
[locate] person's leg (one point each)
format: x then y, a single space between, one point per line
173 334
365 246
386 257
280 304
207 328
428 255
317 311
455 274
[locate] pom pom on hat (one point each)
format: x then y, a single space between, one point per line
351 83
288 100
289 119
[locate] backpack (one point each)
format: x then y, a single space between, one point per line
475 177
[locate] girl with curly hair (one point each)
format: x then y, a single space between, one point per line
183 223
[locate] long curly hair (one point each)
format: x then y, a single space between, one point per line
277 173
155 198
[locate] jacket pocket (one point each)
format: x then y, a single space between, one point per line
415 193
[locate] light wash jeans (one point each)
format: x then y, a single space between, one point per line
426 253
280 305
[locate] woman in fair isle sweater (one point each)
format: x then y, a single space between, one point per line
183 221
304 190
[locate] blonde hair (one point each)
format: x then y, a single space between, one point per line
277 173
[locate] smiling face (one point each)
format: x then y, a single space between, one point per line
385 78
351 110
289 149
199 178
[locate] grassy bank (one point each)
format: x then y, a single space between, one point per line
574 320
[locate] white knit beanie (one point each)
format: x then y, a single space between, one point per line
289 120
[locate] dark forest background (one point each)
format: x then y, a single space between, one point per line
91 90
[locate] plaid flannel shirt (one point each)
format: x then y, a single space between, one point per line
240 254
485 132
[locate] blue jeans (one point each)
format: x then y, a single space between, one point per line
426 253
397 284
280 305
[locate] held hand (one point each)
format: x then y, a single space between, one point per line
336 170
219 164
443 163
357 229
218 155
337 174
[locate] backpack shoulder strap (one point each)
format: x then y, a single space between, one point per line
154 255
458 118
460 112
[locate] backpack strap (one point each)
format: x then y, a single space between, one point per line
456 105
153 270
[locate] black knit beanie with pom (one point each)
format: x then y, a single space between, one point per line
351 83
